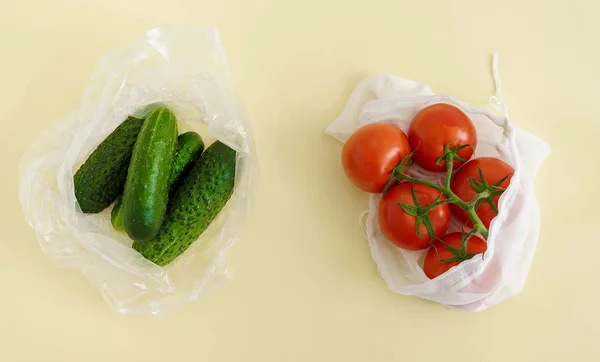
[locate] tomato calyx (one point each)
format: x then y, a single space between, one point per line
485 191
405 164
421 213
454 151
461 254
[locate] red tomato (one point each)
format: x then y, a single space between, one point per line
433 127
371 153
400 227
433 265
493 170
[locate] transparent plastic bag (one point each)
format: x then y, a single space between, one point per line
184 68
478 283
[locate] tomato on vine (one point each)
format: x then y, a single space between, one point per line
371 153
412 215
451 251
436 127
476 176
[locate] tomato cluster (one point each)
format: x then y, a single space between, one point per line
414 214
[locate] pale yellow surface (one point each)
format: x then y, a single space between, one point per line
304 285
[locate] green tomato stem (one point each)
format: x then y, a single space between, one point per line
449 167
402 176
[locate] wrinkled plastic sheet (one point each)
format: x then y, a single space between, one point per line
185 69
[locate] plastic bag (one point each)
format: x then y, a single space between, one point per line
184 68
478 283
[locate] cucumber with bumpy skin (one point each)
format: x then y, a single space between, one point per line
195 203
189 147
148 178
100 180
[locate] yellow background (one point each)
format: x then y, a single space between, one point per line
304 285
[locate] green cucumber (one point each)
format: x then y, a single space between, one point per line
148 178
100 180
116 215
195 203
189 147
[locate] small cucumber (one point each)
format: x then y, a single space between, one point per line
189 147
148 178
100 180
116 215
195 203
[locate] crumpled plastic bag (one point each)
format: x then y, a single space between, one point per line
480 282
186 69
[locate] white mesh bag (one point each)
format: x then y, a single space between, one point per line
184 68
480 282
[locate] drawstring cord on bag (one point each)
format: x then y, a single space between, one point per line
497 101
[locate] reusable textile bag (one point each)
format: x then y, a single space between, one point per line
480 282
